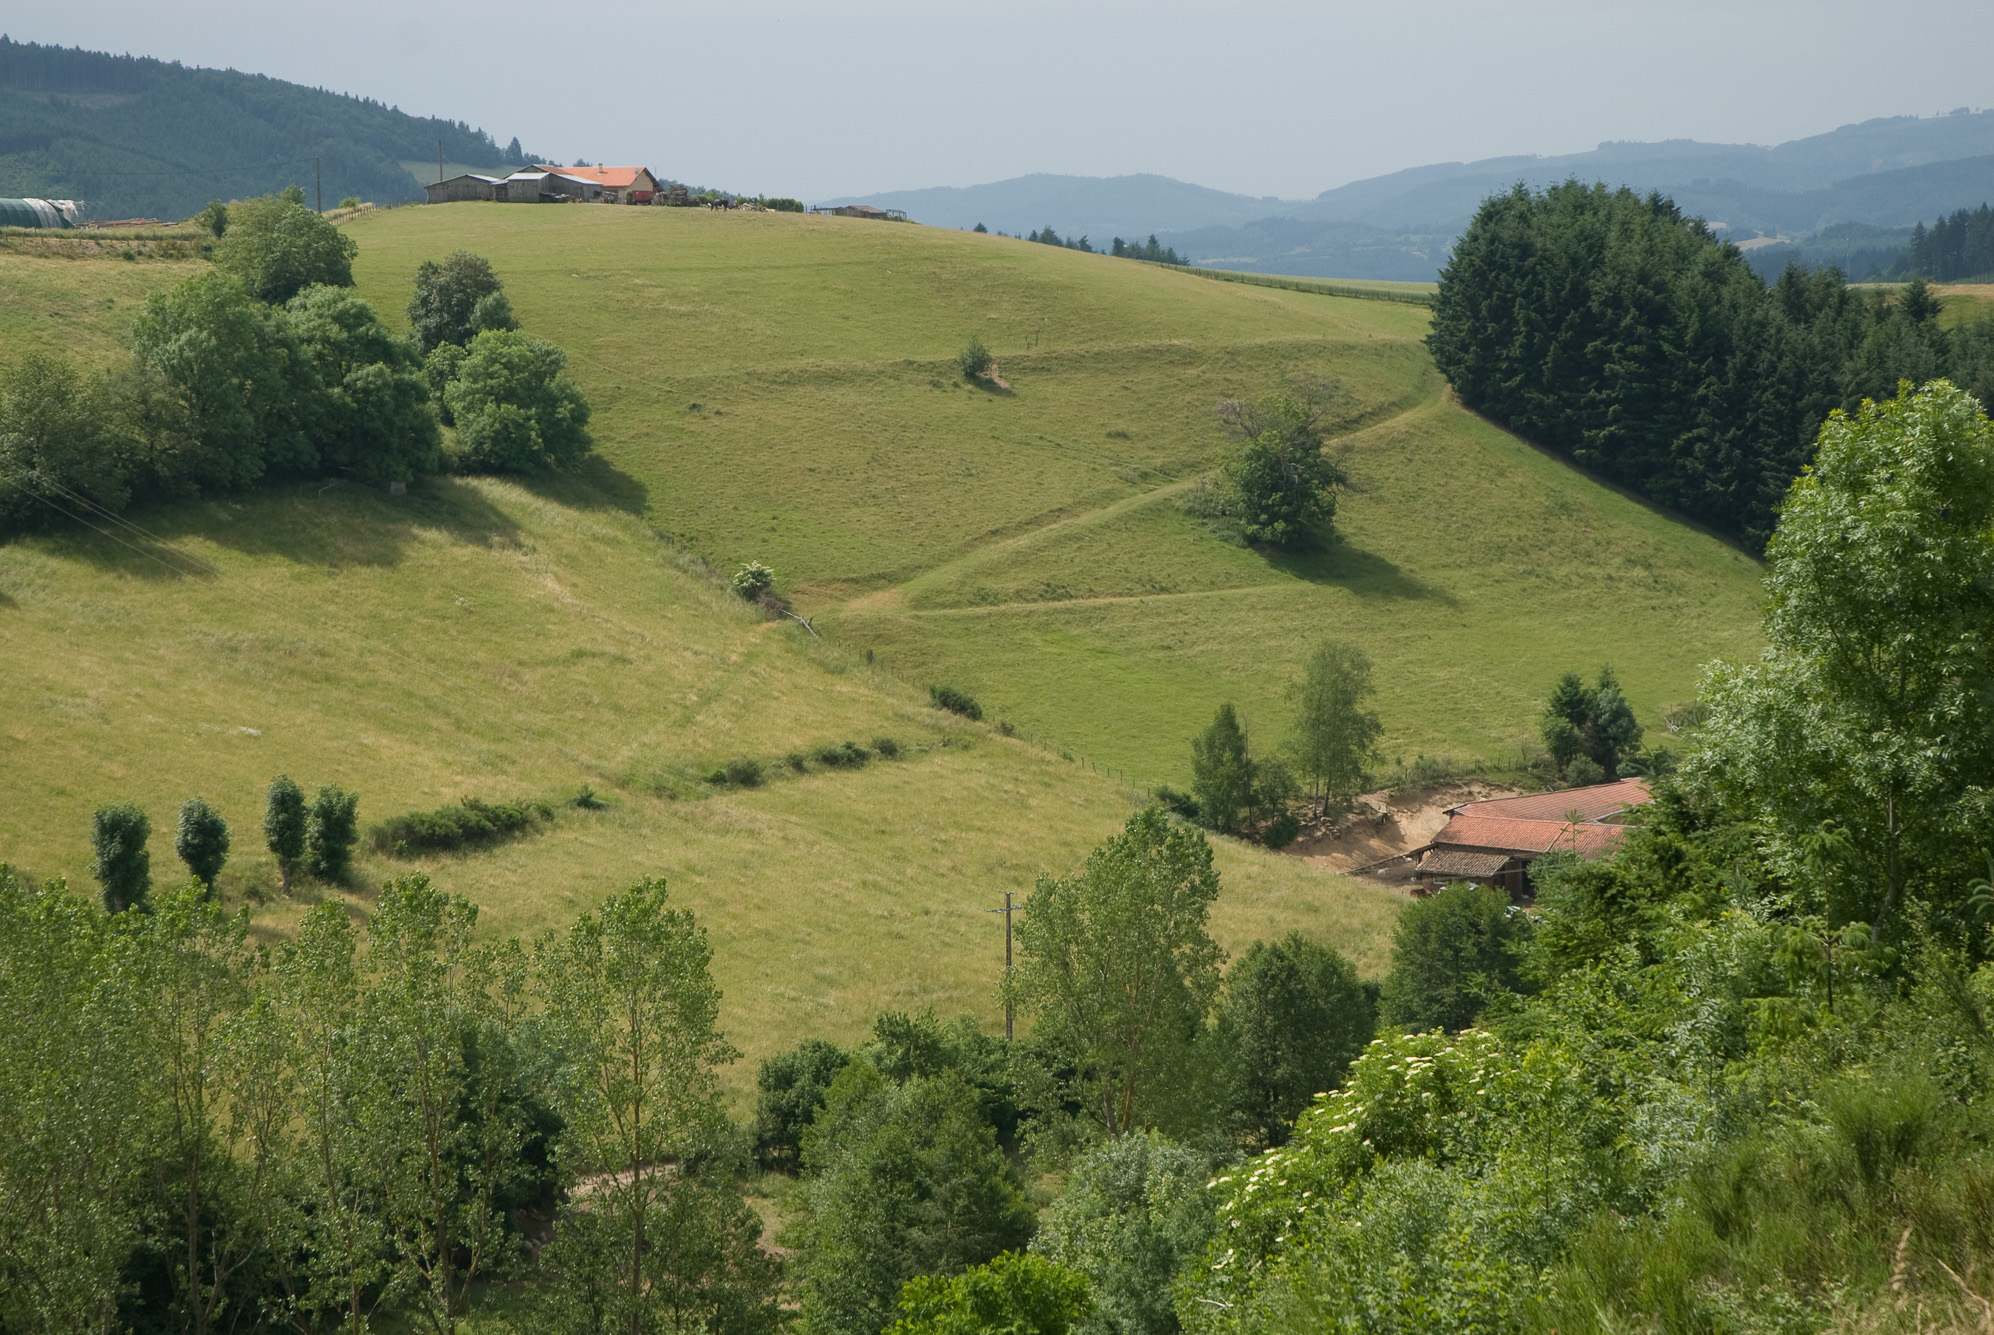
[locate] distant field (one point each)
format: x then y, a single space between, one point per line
782 388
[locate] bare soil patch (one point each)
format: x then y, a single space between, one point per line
1385 825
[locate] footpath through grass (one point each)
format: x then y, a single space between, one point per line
479 638
782 389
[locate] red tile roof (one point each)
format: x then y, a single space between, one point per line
1528 836
1591 803
610 178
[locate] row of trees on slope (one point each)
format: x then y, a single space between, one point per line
1609 327
268 367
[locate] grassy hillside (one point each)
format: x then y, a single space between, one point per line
480 638
782 389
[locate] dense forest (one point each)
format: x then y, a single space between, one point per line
1613 329
131 136
1955 249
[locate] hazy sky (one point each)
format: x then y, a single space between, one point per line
1256 96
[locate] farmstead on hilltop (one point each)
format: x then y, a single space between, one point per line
1494 842
544 184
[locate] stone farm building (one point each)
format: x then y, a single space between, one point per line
1494 842
542 185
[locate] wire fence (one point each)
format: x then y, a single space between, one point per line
1404 296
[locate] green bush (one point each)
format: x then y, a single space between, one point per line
515 409
975 360
1277 482
1293 1018
469 822
1283 830
886 748
1134 1212
797 761
753 580
743 772
449 304
1453 956
201 840
842 755
783 205
956 702
1017 1294
277 247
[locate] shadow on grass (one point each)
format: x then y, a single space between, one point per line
596 484
1363 573
326 524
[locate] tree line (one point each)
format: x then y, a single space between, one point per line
1954 248
268 368
1614 330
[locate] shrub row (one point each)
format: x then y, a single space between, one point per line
748 772
956 702
469 822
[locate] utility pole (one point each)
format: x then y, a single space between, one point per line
1006 911
318 174
439 162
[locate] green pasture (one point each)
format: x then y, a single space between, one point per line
482 638
782 388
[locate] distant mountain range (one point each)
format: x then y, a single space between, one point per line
1885 174
131 136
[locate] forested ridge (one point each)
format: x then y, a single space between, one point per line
133 136
1613 329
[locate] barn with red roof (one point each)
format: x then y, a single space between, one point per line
1495 841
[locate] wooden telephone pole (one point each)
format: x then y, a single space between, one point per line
318 174
1006 911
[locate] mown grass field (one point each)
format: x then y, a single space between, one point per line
782 388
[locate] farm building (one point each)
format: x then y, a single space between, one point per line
609 185
468 186
38 212
863 211
1494 842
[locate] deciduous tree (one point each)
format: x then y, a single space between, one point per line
632 1001
1334 736
277 248
1117 961
284 825
118 835
201 840
1870 716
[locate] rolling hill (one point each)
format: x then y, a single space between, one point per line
1886 173
782 388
